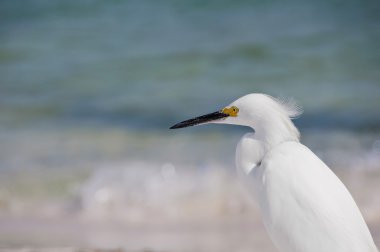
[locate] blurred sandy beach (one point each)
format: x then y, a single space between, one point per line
220 231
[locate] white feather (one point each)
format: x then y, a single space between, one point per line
292 108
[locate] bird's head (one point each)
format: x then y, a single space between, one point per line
250 110
263 113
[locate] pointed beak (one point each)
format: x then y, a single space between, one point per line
201 119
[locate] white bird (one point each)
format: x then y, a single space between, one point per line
304 205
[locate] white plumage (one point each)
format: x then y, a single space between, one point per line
304 205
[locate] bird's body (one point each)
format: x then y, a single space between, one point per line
305 207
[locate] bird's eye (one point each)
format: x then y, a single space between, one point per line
231 111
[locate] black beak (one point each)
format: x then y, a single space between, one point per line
201 119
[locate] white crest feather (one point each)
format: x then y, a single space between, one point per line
293 109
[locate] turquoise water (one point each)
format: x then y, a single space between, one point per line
148 64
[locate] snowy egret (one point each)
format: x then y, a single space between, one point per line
305 207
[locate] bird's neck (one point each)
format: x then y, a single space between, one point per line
253 147
276 130
249 153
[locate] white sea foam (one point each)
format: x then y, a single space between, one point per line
142 191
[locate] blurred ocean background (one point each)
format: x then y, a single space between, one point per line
89 88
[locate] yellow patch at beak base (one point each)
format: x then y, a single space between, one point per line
233 111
